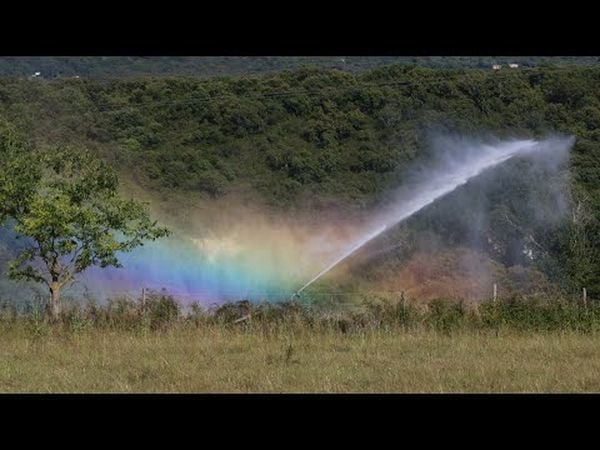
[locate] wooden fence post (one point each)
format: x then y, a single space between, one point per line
495 291
585 298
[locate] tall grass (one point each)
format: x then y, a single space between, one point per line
374 346
161 312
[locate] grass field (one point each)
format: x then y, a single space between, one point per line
218 359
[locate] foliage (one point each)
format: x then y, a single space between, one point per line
162 312
326 139
130 66
64 203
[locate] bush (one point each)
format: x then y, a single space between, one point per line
446 316
162 310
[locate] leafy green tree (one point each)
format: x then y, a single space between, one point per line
64 204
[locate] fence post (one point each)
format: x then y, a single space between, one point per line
584 298
495 291
143 299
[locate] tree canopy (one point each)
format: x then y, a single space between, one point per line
63 203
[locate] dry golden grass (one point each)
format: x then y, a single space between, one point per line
215 359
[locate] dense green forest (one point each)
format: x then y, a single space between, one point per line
120 66
322 139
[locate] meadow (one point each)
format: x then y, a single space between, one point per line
494 347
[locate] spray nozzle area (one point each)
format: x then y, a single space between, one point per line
441 180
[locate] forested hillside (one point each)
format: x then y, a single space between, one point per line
316 139
207 66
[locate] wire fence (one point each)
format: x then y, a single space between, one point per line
360 308
340 298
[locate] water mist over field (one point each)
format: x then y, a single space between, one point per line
458 161
260 257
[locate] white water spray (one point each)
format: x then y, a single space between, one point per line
442 180
347 253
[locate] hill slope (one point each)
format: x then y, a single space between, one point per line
313 141
208 66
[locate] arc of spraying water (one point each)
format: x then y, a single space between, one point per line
440 188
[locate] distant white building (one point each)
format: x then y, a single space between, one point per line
513 66
496 67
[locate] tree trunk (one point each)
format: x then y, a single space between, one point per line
54 302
